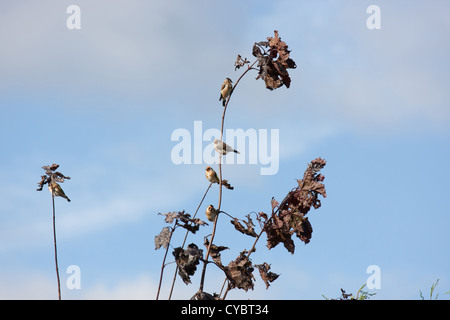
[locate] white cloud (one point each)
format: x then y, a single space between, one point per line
368 81
393 77
136 288
132 48
127 202
31 285
27 286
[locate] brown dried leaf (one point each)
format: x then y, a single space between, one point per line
187 261
239 272
170 216
277 231
240 62
41 183
289 216
274 203
273 64
201 295
163 238
309 188
261 216
214 252
249 230
50 176
266 275
184 220
300 226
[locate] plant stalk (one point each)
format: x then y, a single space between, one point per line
184 241
56 251
202 280
164 260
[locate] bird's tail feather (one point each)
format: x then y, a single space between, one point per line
227 185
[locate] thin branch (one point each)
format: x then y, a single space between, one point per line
250 67
274 212
164 259
184 241
227 290
56 251
223 285
229 215
202 280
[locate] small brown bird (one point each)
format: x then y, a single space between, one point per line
211 213
211 175
225 90
222 147
56 190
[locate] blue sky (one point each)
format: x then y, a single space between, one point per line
104 100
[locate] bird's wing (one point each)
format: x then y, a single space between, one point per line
227 147
221 88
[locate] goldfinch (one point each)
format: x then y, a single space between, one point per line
225 90
56 190
211 213
211 175
222 147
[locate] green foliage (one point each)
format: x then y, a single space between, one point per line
433 287
360 295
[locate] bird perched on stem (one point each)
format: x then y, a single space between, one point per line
225 90
211 175
56 190
222 147
211 213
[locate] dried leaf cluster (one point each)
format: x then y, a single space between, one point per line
184 220
248 230
240 272
240 62
273 62
51 176
187 261
288 217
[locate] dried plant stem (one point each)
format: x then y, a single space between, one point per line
274 212
253 247
184 242
195 214
202 279
223 285
226 290
226 105
164 261
56 251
